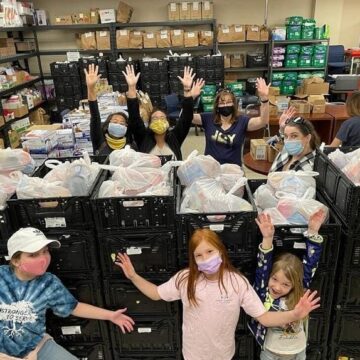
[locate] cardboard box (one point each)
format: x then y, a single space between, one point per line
94 16
258 149
273 109
81 18
39 117
274 91
185 12
223 33
14 139
124 12
122 39
26 45
88 41
149 40
103 40
177 37
136 40
41 17
63 20
174 11
195 10
206 38
264 33
207 10
252 32
227 61
238 32
301 106
6 42
317 103
107 16
191 39
237 60
163 39
315 86
272 153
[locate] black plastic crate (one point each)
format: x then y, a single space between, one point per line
114 66
345 352
323 283
245 347
121 294
256 60
5 226
153 254
116 78
350 249
57 212
236 230
337 188
149 357
76 330
315 352
130 212
346 328
154 336
77 254
318 330
90 351
348 290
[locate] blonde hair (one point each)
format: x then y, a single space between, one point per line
293 269
353 104
16 256
192 274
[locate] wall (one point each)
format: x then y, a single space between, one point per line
349 33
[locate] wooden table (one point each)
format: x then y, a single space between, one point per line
259 166
339 113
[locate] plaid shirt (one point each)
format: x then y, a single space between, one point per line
306 163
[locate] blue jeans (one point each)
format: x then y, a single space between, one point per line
52 350
268 355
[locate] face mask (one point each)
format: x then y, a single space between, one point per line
159 126
210 266
117 130
225 110
35 266
294 147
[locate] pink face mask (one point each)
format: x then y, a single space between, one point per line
210 266
36 266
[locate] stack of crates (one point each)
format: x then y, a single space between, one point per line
344 198
154 80
69 220
115 75
142 227
67 84
238 233
211 69
289 238
176 68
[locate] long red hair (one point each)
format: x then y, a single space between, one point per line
192 274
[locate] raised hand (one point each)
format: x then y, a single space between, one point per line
130 76
315 221
92 76
306 304
123 261
287 114
196 88
188 78
123 321
262 88
267 230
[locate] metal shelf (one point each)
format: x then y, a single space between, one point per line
299 69
314 41
73 27
11 58
166 23
245 43
64 51
181 49
21 28
239 69
19 86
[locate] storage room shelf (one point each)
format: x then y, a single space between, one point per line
72 27
64 51
5 59
174 49
298 69
283 42
20 86
166 23
239 69
22 28
245 43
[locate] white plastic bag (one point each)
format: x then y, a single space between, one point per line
352 170
339 158
264 197
128 157
230 174
16 159
8 186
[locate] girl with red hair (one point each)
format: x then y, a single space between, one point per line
212 292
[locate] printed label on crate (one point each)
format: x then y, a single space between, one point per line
89 34
298 245
133 203
207 5
163 36
195 5
71 330
208 33
225 30
184 6
150 35
55 222
173 6
238 28
133 250
216 227
190 34
123 32
144 330
177 32
103 33
73 56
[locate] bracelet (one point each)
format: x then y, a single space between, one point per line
264 101
313 237
187 90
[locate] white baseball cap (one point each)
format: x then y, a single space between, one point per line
28 240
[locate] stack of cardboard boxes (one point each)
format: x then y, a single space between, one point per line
239 33
190 10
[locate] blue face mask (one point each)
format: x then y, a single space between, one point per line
294 147
117 130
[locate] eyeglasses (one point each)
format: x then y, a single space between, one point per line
298 120
225 90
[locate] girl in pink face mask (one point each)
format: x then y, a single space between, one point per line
28 291
212 292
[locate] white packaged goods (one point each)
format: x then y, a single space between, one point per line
39 141
349 163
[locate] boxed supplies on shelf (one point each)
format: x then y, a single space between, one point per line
223 33
124 12
173 11
177 37
39 117
81 18
314 86
252 32
26 45
185 12
207 10
94 16
103 40
149 39
41 17
258 149
301 106
206 38
87 41
195 10
136 40
238 32
21 125
237 60
279 33
264 33
107 16
191 38
256 59
317 103
63 20
163 39
122 39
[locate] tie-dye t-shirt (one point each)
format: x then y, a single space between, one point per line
23 305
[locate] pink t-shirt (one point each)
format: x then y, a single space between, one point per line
209 328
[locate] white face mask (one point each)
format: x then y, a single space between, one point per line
117 130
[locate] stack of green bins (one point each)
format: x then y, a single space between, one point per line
208 94
319 56
307 29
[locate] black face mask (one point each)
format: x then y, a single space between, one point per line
225 110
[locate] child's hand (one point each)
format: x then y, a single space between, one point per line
130 76
123 321
306 304
124 262
267 230
315 221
